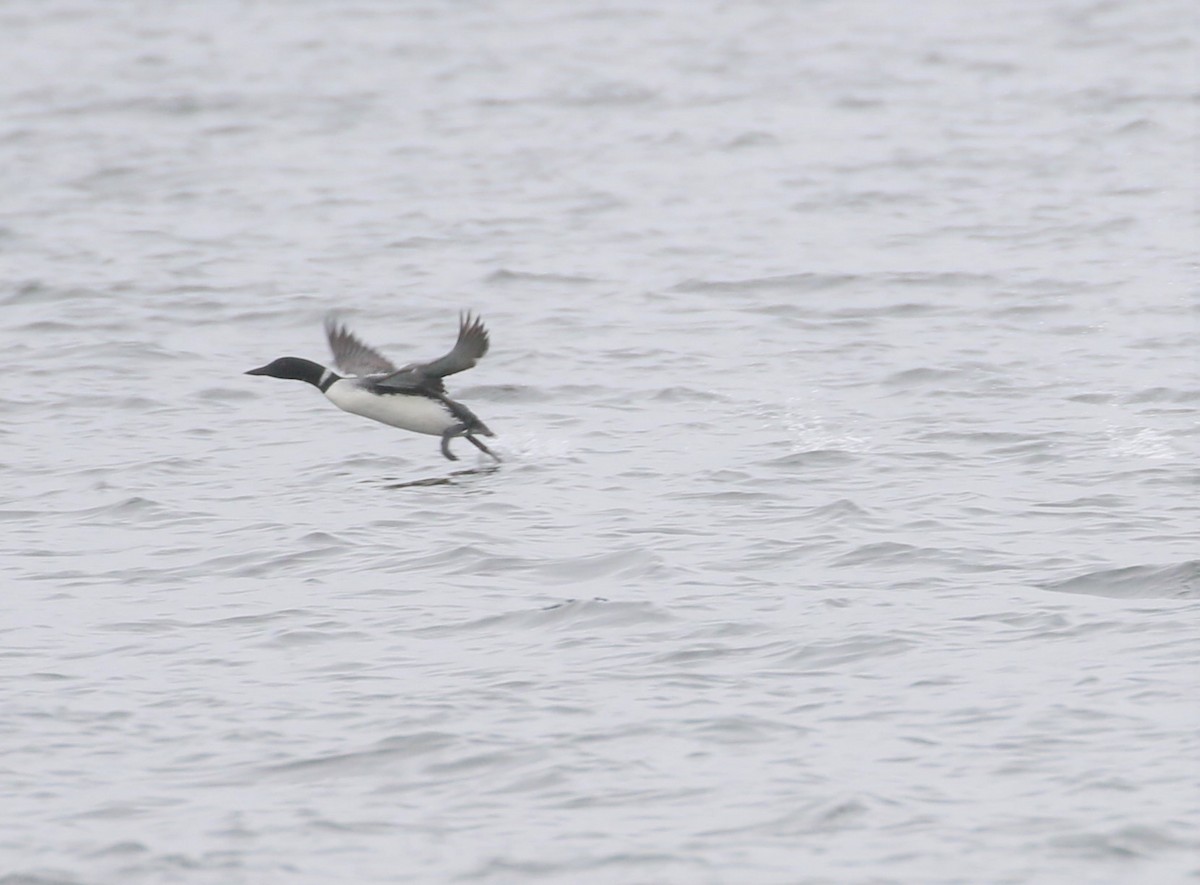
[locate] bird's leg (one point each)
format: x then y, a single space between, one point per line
477 444
448 434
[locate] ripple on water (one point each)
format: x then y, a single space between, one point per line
1181 581
811 458
570 615
381 754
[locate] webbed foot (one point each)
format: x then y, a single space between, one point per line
448 434
477 444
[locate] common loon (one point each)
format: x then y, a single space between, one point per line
411 398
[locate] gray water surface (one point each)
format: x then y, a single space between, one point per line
844 368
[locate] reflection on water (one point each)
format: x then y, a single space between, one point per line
452 478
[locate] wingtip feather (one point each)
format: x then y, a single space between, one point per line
470 326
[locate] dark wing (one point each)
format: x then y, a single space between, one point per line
351 355
408 380
471 345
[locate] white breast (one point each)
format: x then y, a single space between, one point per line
419 414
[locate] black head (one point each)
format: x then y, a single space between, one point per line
293 367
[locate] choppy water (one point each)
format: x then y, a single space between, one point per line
844 367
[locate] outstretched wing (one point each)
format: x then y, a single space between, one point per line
351 355
471 345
